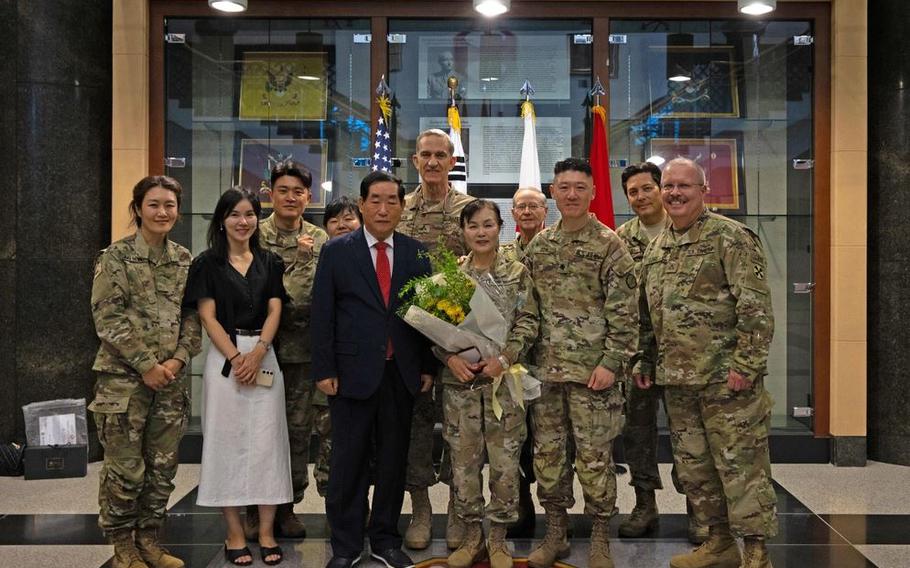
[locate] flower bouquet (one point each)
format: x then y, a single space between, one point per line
456 314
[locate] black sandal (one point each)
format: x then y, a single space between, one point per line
271 551
233 554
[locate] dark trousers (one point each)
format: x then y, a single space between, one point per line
386 418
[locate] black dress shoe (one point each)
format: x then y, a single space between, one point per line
342 562
393 558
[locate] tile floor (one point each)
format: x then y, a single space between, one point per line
829 516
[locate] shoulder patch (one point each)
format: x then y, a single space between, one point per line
759 271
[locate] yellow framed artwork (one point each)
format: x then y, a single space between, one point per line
283 85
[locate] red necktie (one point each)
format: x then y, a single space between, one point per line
383 271
384 276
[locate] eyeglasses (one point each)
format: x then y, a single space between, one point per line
528 206
680 186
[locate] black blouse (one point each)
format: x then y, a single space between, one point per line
241 302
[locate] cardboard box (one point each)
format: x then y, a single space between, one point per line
55 462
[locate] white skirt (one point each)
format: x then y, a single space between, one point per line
245 451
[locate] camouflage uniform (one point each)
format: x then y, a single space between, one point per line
588 294
709 311
136 304
470 427
640 432
302 399
514 250
427 222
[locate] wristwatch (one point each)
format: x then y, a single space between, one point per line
265 344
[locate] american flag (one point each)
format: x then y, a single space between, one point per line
382 147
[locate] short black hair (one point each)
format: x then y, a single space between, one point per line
144 186
380 176
642 168
339 207
217 240
475 207
573 165
293 169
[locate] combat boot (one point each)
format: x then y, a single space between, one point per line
527 516
417 537
719 551
287 524
251 523
126 555
472 548
600 544
755 553
554 545
697 533
455 527
151 551
497 548
644 517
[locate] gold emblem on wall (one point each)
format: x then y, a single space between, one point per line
281 85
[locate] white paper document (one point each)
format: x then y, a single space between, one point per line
57 430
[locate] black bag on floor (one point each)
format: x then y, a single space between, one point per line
11 459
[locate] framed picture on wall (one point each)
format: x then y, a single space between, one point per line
283 85
720 157
257 156
702 81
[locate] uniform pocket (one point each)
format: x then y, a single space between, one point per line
110 415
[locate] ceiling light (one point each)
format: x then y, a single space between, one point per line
490 8
308 77
489 79
756 7
229 5
680 78
656 160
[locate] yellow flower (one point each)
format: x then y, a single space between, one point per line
443 305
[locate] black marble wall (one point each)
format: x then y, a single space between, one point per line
889 232
55 148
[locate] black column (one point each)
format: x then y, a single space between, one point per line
55 161
889 232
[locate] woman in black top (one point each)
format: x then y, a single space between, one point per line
238 291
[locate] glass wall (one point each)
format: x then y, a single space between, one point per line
243 93
492 59
736 96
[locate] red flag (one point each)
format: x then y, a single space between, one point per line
602 205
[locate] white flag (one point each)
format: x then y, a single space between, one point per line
529 174
458 177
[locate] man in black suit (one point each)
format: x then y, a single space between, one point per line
371 364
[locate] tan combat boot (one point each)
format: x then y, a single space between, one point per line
125 553
755 553
599 557
644 517
497 548
719 551
698 533
455 527
417 537
287 523
555 544
472 548
155 555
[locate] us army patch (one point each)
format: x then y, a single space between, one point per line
759 271
630 281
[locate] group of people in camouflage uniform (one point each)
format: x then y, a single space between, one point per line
673 306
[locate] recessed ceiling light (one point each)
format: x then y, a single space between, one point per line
229 5
756 7
490 8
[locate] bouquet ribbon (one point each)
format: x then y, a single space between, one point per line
513 375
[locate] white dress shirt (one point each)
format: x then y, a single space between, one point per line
390 251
